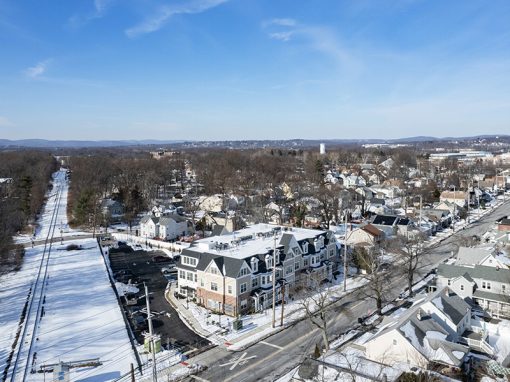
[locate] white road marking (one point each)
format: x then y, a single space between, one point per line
199 379
239 361
273 345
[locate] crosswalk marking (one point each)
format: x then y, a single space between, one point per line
273 345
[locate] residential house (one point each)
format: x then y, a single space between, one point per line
487 286
233 273
366 235
478 256
354 181
112 209
442 217
166 227
229 220
457 197
426 335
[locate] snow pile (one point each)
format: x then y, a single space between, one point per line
123 289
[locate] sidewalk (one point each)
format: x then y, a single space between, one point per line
256 327
240 342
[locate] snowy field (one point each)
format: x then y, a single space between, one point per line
13 294
82 319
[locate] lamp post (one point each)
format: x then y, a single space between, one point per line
345 251
273 324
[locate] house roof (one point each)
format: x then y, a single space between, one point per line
285 240
218 230
385 220
471 256
481 272
425 331
453 306
167 218
491 296
374 231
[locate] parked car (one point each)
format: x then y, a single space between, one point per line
139 321
169 268
161 259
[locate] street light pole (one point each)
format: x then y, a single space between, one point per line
345 252
274 281
151 334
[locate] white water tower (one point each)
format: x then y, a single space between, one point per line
322 149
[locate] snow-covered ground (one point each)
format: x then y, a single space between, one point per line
44 223
13 295
81 319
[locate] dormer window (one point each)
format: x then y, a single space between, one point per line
254 264
305 248
277 256
269 261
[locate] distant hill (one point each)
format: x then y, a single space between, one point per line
289 143
43 143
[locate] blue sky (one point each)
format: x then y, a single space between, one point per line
253 69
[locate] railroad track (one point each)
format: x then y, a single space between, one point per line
25 357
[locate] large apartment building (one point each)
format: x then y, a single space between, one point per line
232 273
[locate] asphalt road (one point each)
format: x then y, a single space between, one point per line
171 328
278 354
58 239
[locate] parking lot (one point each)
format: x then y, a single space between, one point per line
140 267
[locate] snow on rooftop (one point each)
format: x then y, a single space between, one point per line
255 239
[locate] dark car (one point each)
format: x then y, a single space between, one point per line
161 259
139 321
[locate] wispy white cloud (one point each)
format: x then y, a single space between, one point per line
318 38
282 36
38 69
101 8
285 22
164 13
5 122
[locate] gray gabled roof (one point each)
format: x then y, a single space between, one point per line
146 219
285 240
166 218
218 230
491 296
482 272
471 256
229 265
453 306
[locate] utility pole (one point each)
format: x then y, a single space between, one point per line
274 280
345 252
151 334
283 303
421 203
454 208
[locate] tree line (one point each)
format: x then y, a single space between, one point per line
26 178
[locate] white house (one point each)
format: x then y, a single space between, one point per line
167 227
425 334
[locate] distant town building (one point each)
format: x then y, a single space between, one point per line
322 149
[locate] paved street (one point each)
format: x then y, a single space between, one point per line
281 352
